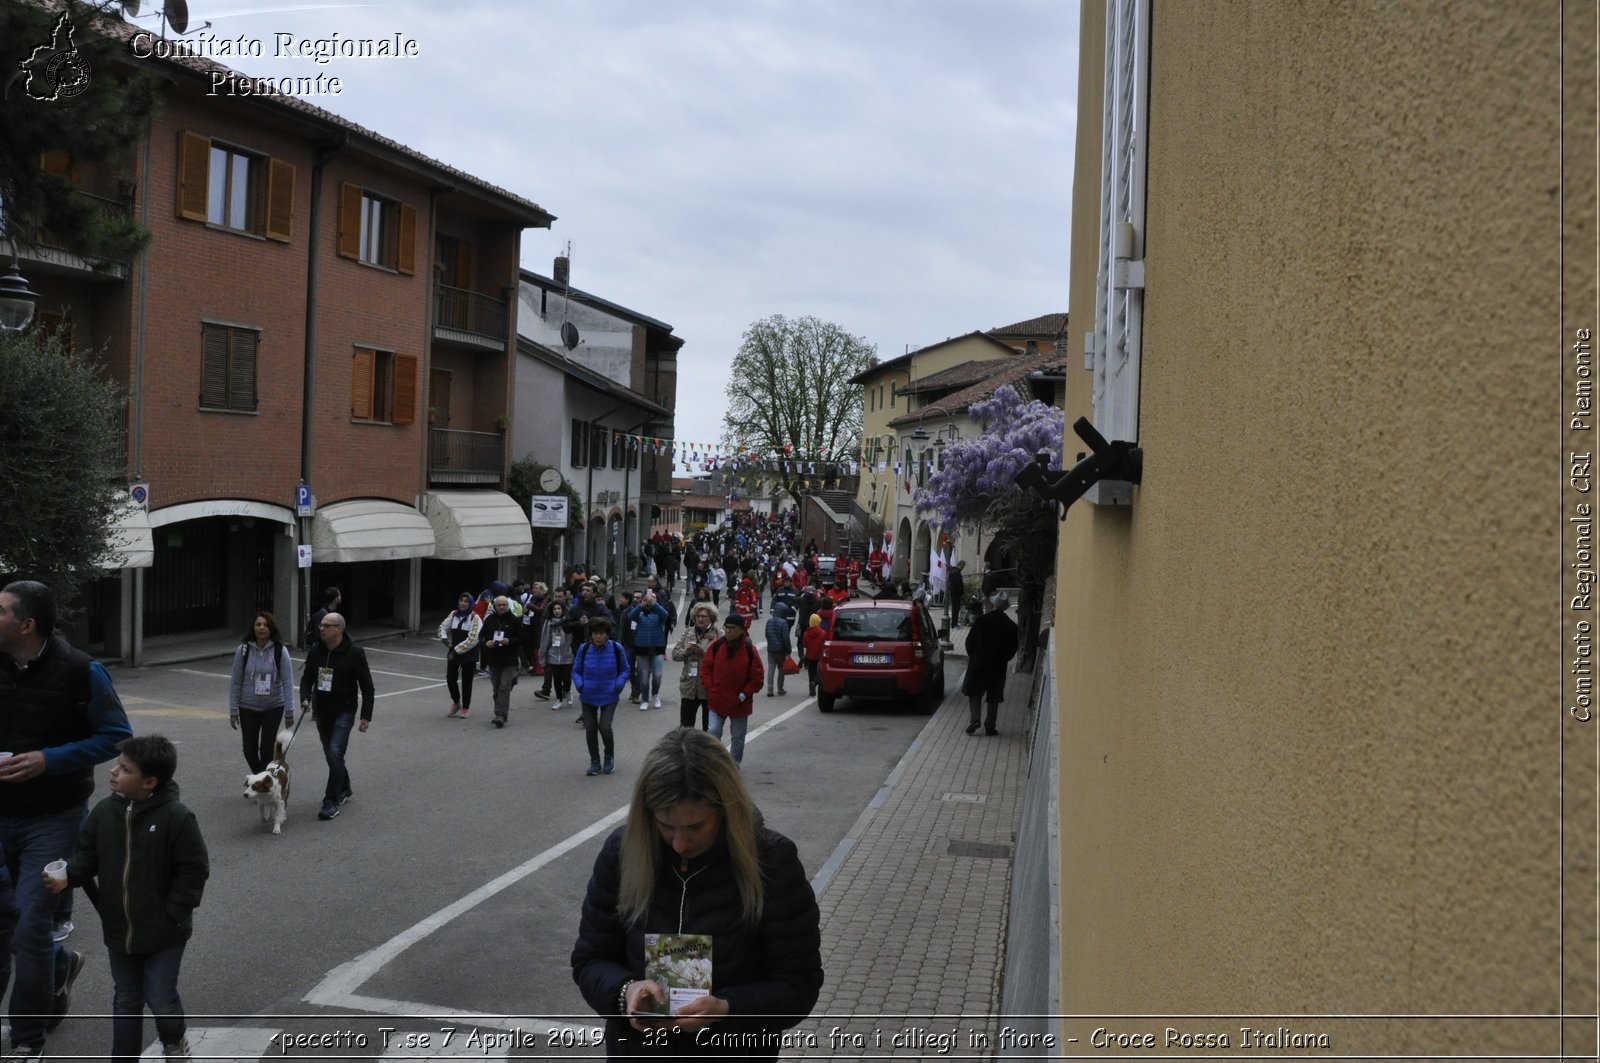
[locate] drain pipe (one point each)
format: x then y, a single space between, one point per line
308 386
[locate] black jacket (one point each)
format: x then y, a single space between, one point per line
350 676
991 643
151 866
500 654
773 970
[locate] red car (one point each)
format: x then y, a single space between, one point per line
886 649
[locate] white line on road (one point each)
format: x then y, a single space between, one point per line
338 988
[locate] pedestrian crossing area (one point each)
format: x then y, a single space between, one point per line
541 1039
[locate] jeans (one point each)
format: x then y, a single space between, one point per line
146 978
335 735
29 843
259 729
775 670
502 677
458 675
648 665
736 729
597 724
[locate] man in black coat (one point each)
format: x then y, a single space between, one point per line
991 643
955 591
336 674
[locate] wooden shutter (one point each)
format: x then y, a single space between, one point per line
280 200
56 162
242 371
406 256
361 385
464 264
405 389
580 444
214 366
349 220
194 172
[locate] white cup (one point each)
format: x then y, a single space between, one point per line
56 870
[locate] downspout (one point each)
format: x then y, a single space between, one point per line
308 385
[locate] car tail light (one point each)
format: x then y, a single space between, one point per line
916 637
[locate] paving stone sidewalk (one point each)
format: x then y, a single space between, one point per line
914 914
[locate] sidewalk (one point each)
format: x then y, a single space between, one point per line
914 904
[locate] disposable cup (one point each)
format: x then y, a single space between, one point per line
57 870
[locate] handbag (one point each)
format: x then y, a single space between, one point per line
790 666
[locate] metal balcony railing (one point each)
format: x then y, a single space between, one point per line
470 317
457 457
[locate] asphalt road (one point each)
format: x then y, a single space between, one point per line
451 883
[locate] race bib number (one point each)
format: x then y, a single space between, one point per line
325 680
263 683
694 670
555 642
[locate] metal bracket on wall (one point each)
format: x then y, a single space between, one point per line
1119 460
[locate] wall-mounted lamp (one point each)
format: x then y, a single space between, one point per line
17 300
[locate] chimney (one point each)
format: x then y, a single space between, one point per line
563 270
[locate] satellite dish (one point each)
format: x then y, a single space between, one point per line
177 12
130 8
569 331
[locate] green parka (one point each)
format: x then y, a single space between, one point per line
150 866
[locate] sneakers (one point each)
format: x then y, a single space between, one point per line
177 1053
657 703
62 928
560 703
63 1000
543 695
463 714
594 768
498 722
645 706
26 1051
990 731
972 728
329 810
579 721
609 766
346 796
634 698
455 710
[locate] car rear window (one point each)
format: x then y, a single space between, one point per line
862 625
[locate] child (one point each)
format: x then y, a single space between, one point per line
146 896
812 642
599 672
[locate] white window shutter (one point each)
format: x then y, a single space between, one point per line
1114 349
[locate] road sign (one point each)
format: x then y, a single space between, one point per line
549 511
303 555
139 495
302 500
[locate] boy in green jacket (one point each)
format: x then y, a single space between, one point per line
143 847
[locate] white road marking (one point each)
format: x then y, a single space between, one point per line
338 988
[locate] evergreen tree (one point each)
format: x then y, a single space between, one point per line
47 145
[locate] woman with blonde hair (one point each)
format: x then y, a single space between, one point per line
694 858
697 637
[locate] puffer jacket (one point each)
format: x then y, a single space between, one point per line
150 864
770 973
689 685
651 630
599 674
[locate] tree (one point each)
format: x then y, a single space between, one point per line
87 127
523 484
789 391
977 488
58 493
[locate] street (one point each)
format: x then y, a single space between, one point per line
450 884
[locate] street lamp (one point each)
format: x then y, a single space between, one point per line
17 300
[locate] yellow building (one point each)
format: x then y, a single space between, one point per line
1311 675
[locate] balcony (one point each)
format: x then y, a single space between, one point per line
48 253
470 318
456 457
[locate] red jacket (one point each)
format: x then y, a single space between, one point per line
744 603
812 641
726 671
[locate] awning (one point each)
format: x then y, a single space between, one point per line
129 543
369 530
475 524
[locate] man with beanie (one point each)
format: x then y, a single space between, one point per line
731 673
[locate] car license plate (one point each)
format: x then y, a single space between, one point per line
871 658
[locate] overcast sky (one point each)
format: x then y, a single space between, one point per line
899 167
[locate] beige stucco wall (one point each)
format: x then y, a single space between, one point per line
1310 719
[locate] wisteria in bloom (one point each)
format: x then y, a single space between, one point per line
978 481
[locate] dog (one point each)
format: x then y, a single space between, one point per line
270 788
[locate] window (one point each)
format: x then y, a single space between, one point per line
580 444
383 386
377 230
598 437
232 188
619 450
228 367
894 392
1113 350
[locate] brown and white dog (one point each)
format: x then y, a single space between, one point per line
270 788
